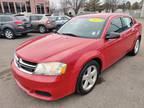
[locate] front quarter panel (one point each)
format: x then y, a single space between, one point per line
82 60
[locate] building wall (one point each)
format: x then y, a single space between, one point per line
17 6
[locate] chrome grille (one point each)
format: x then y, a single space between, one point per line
25 66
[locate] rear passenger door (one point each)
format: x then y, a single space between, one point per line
129 32
35 21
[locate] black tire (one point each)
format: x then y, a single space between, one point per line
79 87
42 29
24 34
9 34
134 50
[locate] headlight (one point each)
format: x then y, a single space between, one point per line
51 68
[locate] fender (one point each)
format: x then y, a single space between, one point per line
83 59
7 26
86 58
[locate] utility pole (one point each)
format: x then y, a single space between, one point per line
142 11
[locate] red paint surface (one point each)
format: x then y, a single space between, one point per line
73 51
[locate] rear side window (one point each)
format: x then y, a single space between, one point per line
36 18
116 26
65 18
127 22
6 19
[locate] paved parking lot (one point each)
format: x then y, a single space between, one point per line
121 86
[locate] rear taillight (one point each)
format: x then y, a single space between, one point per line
19 22
48 22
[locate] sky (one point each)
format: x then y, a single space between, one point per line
57 2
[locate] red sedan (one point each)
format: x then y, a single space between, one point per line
71 60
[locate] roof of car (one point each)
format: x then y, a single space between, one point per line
103 15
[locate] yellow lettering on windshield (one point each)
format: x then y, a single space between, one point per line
96 20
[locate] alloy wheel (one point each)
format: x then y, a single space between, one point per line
89 77
8 34
137 45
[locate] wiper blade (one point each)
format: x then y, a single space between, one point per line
74 35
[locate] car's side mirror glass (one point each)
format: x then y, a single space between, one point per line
112 35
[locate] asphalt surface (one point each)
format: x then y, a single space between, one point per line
120 86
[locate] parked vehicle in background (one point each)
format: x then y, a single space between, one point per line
42 22
12 26
23 18
60 20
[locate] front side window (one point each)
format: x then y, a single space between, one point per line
83 27
115 26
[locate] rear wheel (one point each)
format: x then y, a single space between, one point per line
136 48
87 78
9 34
42 29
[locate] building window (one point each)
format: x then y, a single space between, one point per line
6 7
28 6
1 8
11 6
47 9
18 7
40 8
23 7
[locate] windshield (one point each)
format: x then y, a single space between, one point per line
83 27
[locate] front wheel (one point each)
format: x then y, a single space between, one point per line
87 78
136 48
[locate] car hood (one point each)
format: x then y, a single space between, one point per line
44 47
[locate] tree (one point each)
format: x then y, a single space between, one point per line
93 5
111 5
128 5
52 8
135 6
74 4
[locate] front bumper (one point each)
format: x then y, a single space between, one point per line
42 87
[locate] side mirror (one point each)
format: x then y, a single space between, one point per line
113 35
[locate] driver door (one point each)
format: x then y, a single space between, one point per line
114 49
